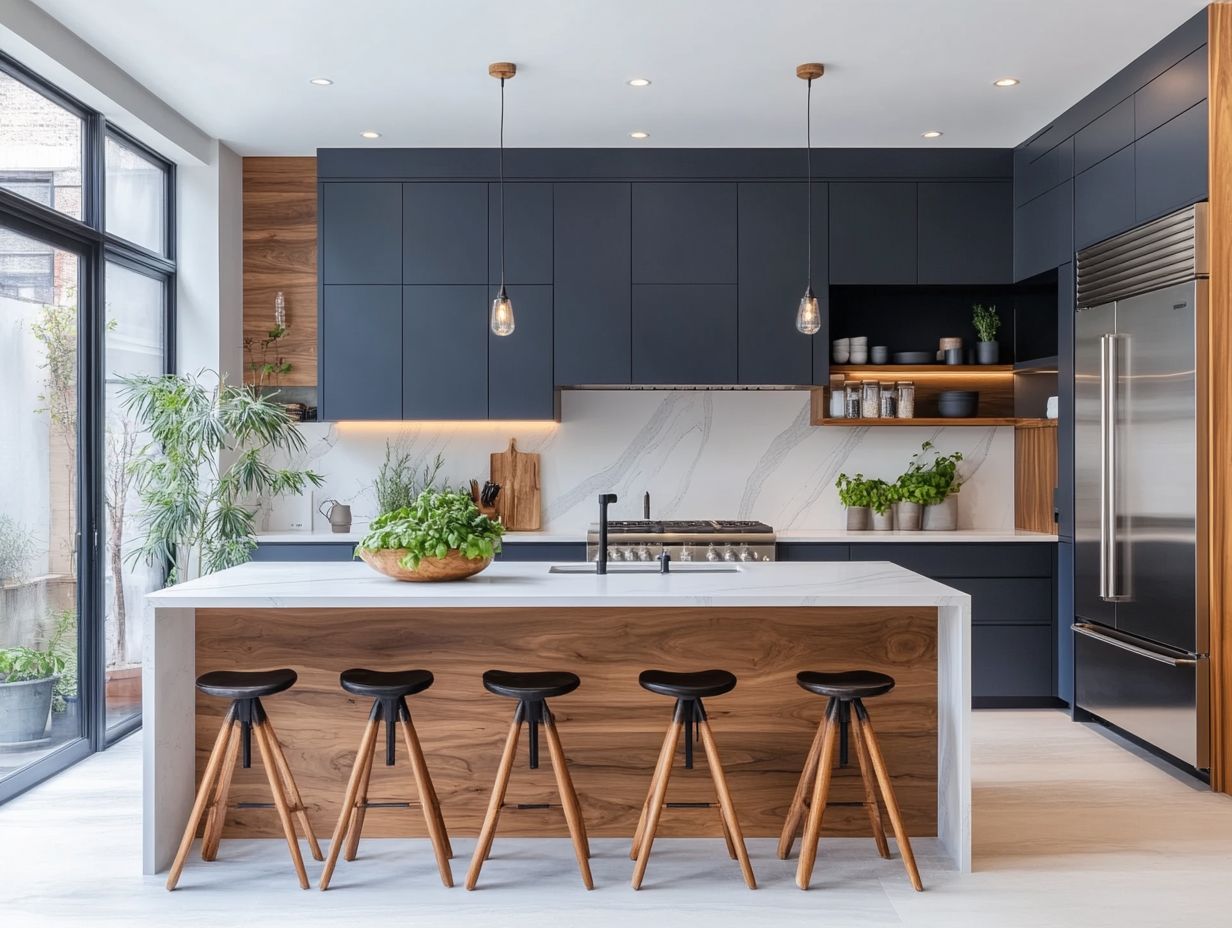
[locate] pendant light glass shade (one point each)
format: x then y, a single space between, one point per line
502 321
808 316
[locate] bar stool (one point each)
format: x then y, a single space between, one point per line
845 691
388 692
245 719
532 690
688 689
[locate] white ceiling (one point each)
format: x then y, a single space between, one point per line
723 70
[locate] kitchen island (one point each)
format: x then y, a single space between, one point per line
764 622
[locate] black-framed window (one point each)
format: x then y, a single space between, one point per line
87 295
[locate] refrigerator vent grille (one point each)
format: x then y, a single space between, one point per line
1166 251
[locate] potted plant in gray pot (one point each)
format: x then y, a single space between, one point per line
27 682
855 495
881 499
986 322
929 487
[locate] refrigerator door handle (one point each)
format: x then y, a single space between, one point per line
1174 659
1107 485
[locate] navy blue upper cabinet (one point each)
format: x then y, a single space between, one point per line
520 365
361 352
361 233
444 233
444 348
1044 232
965 233
1053 167
1180 87
1104 199
593 308
873 233
684 333
1105 136
1065 390
1170 167
528 233
773 274
684 233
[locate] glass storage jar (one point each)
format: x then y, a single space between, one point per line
870 403
853 399
906 399
889 401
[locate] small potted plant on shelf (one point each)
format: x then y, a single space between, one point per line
855 493
442 535
986 322
28 679
927 491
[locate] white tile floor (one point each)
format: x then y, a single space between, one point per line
1070 830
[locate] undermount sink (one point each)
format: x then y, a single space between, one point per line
647 568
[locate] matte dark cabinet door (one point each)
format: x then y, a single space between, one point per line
1170 169
528 233
445 233
520 365
1105 136
593 298
1044 232
1065 401
684 333
361 352
966 233
1104 199
361 233
1176 90
445 352
873 233
773 273
684 233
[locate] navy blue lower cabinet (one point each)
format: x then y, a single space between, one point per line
1065 618
304 551
940 560
361 353
445 352
1170 168
1011 666
563 552
520 365
684 333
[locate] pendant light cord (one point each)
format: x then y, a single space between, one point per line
808 161
502 184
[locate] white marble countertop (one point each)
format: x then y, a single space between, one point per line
512 584
835 536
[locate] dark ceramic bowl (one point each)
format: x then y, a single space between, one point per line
958 404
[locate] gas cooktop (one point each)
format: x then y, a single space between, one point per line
687 527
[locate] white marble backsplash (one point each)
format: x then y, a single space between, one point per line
700 454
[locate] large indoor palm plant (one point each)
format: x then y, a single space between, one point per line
203 468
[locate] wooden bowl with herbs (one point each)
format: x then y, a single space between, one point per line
440 536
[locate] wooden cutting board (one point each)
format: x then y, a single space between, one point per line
517 472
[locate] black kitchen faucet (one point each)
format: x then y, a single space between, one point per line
605 500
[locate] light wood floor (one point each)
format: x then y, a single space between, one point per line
1070 830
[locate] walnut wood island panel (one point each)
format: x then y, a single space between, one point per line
763 622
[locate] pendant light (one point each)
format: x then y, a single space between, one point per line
502 321
808 316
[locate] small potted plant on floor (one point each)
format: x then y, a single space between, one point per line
441 536
986 322
27 682
856 495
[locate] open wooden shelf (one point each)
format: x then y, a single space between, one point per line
930 421
873 370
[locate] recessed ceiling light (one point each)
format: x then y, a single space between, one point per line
1006 82
321 81
639 82
639 135
932 134
369 134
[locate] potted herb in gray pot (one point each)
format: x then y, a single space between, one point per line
881 499
986 322
27 682
855 495
929 486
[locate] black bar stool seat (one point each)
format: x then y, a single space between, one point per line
700 684
385 684
246 684
846 685
531 686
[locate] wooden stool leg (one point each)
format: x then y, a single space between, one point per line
795 815
670 740
727 838
348 803
488 831
260 731
870 795
212 835
887 793
568 799
726 805
212 768
359 810
663 773
427 799
812 831
291 790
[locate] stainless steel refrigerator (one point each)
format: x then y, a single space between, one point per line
1140 642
